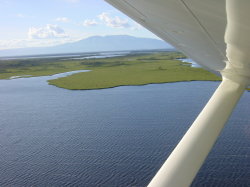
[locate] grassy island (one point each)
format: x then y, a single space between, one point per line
137 69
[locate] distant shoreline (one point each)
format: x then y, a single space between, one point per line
139 84
132 69
82 54
140 70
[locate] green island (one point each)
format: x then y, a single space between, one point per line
133 69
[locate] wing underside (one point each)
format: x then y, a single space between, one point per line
198 28
215 34
194 27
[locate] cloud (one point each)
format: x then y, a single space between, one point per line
23 43
63 19
8 44
90 22
114 22
48 32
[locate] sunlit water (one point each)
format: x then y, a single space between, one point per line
115 137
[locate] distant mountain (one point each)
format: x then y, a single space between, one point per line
93 44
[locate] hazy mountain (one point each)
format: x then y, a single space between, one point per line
93 44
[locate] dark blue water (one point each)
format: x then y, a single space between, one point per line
115 137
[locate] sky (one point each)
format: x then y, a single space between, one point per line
35 23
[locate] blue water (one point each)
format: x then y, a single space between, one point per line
115 137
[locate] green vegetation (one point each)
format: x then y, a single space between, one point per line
36 67
137 69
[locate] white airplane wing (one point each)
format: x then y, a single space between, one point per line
216 35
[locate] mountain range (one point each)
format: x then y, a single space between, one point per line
93 44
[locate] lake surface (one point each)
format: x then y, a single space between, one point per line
115 137
79 56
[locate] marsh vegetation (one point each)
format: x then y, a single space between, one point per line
132 69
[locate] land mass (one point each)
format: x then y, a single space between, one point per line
132 69
93 44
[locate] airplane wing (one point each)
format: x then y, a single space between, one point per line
215 34
194 27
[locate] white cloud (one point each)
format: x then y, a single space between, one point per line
90 22
7 44
23 43
114 22
62 19
47 32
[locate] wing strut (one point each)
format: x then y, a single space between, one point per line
184 162
186 159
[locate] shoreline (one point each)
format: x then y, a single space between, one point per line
135 84
128 70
